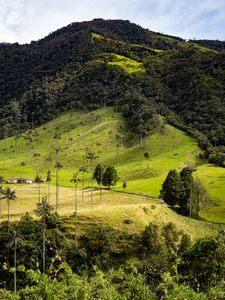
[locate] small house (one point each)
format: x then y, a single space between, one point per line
19 181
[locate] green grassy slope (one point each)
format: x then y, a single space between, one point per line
121 211
105 133
127 64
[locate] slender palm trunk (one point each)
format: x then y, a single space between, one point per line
15 275
39 193
91 189
43 245
8 214
57 188
82 187
100 191
75 199
49 192
75 207
190 203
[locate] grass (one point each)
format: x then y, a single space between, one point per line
213 178
97 36
104 132
127 64
113 209
147 48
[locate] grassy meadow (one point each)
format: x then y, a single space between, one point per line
104 132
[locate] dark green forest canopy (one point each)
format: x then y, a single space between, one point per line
69 70
212 44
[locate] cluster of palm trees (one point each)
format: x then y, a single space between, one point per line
43 209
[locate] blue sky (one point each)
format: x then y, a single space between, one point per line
25 20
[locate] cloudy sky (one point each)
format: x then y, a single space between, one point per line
25 20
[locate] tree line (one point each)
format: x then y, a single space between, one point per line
185 193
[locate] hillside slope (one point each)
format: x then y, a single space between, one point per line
104 132
94 64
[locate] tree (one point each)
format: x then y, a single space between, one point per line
202 264
58 166
83 169
43 210
110 177
48 180
9 195
171 188
98 176
90 156
75 180
201 198
39 181
186 198
15 242
146 155
124 185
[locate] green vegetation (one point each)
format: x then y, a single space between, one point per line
105 133
186 193
127 64
157 262
111 102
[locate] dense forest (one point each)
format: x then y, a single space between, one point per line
70 69
212 44
161 262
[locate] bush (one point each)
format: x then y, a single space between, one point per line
128 221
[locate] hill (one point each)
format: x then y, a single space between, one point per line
211 44
105 133
94 64
142 102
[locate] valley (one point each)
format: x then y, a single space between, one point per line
112 165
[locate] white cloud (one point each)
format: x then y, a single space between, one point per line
26 20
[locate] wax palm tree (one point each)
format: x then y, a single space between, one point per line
90 156
75 180
9 195
58 166
15 242
83 169
43 210
39 181
48 180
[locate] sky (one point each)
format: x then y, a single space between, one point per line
25 20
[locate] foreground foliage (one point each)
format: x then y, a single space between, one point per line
160 263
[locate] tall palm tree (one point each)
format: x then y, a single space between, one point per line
39 181
43 210
9 195
90 156
75 180
58 166
83 169
48 180
15 242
